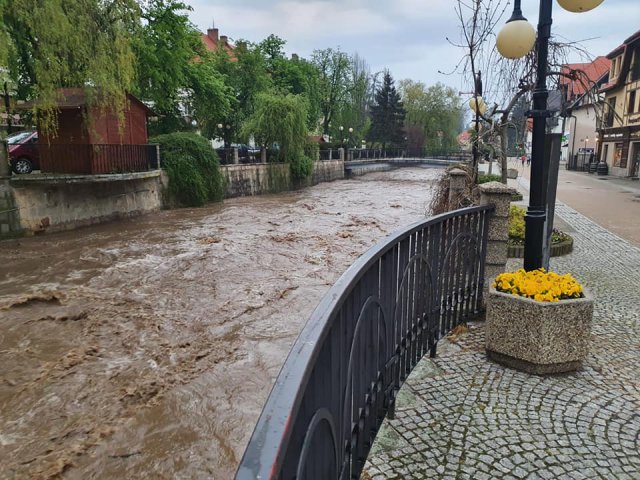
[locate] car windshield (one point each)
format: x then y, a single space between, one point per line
18 138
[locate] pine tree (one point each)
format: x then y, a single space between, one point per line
387 115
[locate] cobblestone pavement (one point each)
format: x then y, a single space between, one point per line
463 417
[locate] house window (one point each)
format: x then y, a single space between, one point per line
611 111
632 102
635 66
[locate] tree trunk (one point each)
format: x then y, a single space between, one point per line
503 152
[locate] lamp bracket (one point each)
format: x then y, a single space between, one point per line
517 13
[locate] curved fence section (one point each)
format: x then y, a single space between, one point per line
369 331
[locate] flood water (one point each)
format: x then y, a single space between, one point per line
146 348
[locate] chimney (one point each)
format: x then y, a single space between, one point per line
212 33
294 57
223 40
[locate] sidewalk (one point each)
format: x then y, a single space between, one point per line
612 202
460 416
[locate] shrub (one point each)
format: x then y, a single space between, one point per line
486 178
516 224
517 228
301 167
192 166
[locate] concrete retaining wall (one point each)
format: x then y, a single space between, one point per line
54 203
259 178
327 171
38 203
9 213
254 179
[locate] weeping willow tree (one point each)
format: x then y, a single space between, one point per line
47 45
281 119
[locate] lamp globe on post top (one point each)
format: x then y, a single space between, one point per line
477 105
517 37
579 6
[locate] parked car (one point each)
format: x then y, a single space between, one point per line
245 153
23 152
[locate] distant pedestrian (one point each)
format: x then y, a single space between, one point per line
523 159
528 160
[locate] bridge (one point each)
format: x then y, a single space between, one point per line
361 161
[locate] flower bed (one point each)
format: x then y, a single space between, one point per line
561 243
538 322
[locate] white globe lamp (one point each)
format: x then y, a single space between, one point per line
579 6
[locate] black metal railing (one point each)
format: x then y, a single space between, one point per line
408 153
329 154
360 344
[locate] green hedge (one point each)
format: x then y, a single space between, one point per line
193 168
486 178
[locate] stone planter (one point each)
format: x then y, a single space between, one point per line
538 337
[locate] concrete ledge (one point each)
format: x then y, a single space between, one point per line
63 179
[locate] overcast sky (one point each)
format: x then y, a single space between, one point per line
406 36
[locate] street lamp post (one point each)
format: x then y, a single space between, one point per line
514 41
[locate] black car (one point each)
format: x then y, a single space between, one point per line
246 153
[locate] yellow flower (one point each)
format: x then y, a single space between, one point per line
539 285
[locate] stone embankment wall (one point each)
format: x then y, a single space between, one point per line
64 203
259 178
9 212
43 203
327 171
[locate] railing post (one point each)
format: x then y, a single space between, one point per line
341 154
263 154
236 157
158 157
457 186
498 195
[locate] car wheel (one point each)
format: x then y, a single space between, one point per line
22 165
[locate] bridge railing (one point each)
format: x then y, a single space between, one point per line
344 371
387 153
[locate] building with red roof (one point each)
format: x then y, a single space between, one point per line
212 40
620 128
580 88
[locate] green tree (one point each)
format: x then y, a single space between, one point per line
295 75
333 69
70 43
247 76
164 46
387 115
354 112
281 119
433 115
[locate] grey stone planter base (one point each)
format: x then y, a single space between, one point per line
533 368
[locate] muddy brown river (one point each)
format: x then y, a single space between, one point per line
146 348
